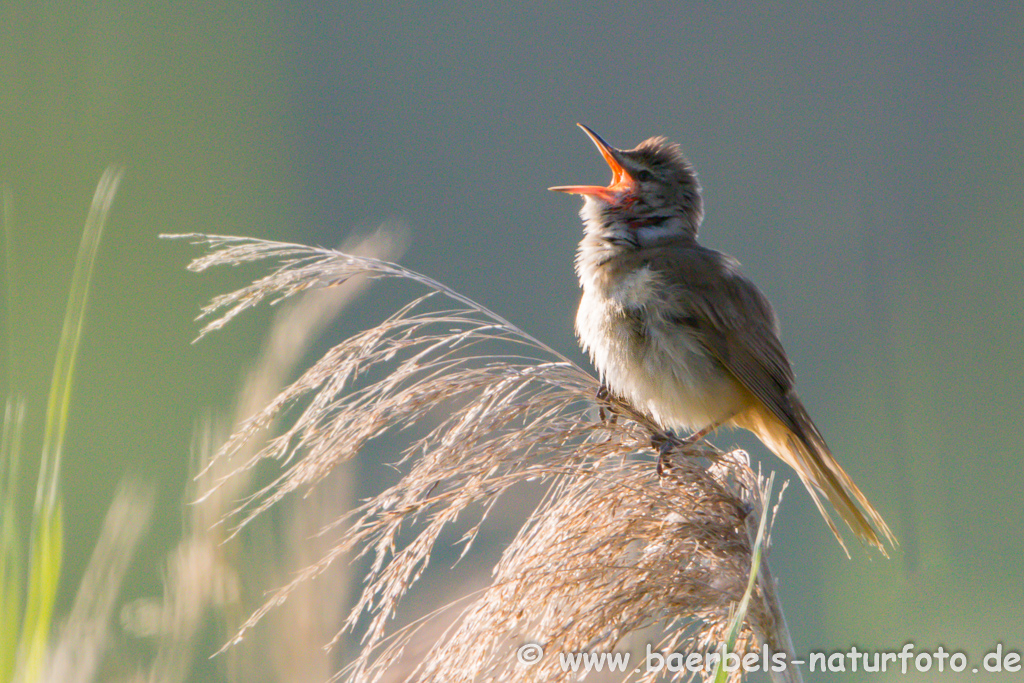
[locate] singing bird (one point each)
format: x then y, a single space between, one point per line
676 329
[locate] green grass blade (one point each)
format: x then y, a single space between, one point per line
721 675
10 452
45 554
10 539
46 545
71 334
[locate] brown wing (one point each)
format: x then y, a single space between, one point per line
737 326
734 322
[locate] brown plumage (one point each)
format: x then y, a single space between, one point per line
675 328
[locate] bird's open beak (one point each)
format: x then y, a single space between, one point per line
621 180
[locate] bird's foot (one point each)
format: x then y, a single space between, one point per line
668 445
664 443
606 411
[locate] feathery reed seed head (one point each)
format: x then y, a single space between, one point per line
611 550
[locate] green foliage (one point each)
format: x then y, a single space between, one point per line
23 653
721 675
10 539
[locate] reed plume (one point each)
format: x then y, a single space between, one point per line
613 549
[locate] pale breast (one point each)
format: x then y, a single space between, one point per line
657 365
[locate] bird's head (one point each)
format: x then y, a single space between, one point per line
654 194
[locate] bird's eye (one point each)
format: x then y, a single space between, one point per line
644 175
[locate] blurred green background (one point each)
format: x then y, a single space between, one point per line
866 164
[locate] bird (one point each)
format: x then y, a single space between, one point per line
676 330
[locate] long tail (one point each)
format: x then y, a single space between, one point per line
805 451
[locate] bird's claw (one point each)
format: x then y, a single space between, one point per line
664 443
667 444
605 411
